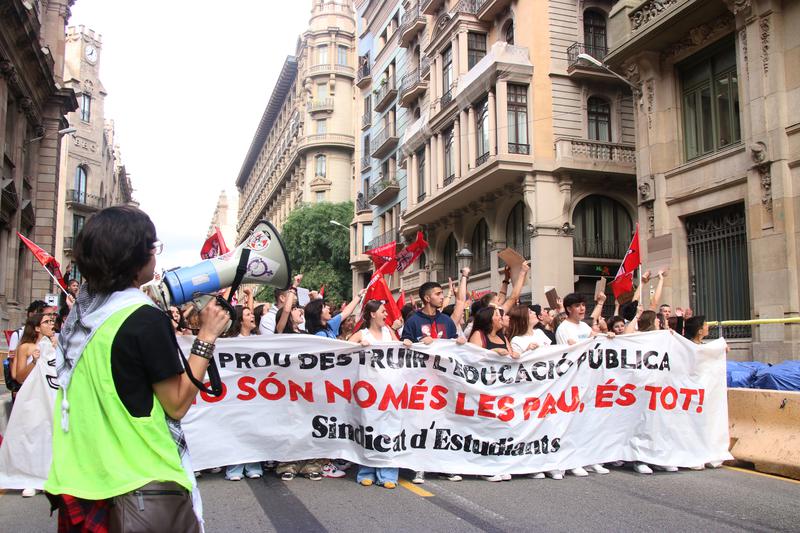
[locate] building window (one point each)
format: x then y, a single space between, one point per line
449 156
594 34
319 165
322 91
450 257
322 55
421 175
508 32
482 131
518 119
516 226
710 100
603 228
422 261
341 55
366 235
320 196
79 191
322 127
719 281
476 48
480 247
77 224
86 107
599 119
447 75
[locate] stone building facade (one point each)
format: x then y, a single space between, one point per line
92 175
302 151
513 141
718 155
33 104
222 219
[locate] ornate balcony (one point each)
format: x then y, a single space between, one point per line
327 139
385 93
383 190
69 242
386 238
411 86
366 163
425 68
580 68
384 142
343 70
364 74
489 9
430 7
584 154
325 105
366 120
87 202
412 23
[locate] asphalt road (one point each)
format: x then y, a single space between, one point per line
712 500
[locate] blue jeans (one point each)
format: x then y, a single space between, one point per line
378 475
238 470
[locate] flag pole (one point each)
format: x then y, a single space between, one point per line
56 280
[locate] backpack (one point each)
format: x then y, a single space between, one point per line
11 384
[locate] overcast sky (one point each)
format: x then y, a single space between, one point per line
187 82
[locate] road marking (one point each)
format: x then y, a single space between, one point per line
415 489
760 474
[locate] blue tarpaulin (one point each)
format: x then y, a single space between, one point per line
743 374
783 376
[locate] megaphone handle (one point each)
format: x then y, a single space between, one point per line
213 376
241 270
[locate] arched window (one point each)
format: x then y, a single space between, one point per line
603 228
599 119
482 131
516 225
451 258
508 32
79 190
319 165
480 247
594 34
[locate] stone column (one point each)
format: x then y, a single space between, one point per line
436 69
492 124
502 117
411 180
439 162
45 196
457 148
428 169
463 52
457 60
463 123
472 147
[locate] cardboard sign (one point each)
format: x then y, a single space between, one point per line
514 261
552 298
303 296
600 286
659 253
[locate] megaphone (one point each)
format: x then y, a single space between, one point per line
260 259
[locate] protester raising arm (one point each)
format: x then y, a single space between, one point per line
518 285
280 325
502 294
655 302
597 312
461 298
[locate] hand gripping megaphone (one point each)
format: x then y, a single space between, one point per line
260 259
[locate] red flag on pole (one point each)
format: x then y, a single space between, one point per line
623 282
410 253
322 291
214 245
379 290
382 254
401 300
47 261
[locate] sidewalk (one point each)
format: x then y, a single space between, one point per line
5 408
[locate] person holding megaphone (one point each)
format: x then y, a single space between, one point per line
118 448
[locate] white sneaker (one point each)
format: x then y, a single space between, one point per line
599 469
28 493
579 472
496 477
234 478
618 463
419 478
700 467
330 470
198 473
537 475
254 476
452 477
556 474
714 464
641 468
506 477
669 468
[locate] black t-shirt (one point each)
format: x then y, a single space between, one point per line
143 352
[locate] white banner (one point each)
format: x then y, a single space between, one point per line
27 444
650 397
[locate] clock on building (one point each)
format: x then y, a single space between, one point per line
91 53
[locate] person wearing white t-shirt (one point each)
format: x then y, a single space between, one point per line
572 331
522 330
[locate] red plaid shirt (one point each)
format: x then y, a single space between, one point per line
76 515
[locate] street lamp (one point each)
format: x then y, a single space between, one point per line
464 258
335 223
61 133
600 64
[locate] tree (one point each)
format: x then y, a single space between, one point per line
318 249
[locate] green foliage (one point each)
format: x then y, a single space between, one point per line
318 249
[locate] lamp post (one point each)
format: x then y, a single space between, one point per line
335 223
464 258
599 64
61 133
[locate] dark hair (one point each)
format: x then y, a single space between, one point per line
647 322
662 324
406 310
289 327
426 288
573 298
236 324
476 306
181 320
448 309
628 310
113 247
347 327
314 316
37 306
692 326
518 320
29 332
279 293
672 322
258 312
484 320
536 308
614 320
487 298
369 308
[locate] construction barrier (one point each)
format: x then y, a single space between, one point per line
755 321
764 430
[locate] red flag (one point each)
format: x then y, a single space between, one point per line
214 245
623 282
383 254
379 290
322 291
47 261
411 252
401 300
